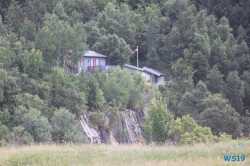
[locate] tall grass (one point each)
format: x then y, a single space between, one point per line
135 155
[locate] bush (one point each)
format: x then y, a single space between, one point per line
223 137
97 117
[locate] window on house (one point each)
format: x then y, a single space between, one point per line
97 62
82 62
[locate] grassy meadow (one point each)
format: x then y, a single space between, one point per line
132 155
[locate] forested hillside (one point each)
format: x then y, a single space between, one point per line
202 46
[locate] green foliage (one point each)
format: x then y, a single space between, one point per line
198 54
64 95
60 42
186 131
191 101
239 17
151 34
235 91
223 137
174 8
136 93
245 121
157 122
95 94
188 41
93 32
180 84
32 101
219 116
14 16
35 63
246 79
218 8
28 30
4 134
3 81
5 117
215 83
20 136
62 131
97 118
119 85
33 122
119 20
115 48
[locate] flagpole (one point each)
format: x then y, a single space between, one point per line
137 56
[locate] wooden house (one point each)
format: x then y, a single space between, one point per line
92 61
153 76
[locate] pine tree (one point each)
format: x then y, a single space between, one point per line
235 91
214 82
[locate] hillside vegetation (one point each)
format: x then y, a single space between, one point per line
202 46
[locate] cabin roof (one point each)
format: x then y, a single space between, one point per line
94 54
152 71
133 67
145 69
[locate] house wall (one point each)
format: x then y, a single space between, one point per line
153 80
132 71
146 76
160 80
102 61
87 63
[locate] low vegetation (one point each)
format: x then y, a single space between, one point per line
72 154
202 47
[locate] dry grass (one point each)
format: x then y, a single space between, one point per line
132 155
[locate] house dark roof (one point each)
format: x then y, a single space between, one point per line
94 54
148 70
133 67
152 71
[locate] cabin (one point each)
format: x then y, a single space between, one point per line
92 61
153 76
132 69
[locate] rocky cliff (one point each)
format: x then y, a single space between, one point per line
126 128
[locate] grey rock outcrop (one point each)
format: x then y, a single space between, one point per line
127 129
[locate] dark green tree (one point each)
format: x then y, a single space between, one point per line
181 83
28 30
245 122
65 127
191 102
219 116
61 43
119 20
95 95
235 91
119 86
214 81
66 95
35 63
33 122
117 50
93 32
185 131
218 8
246 79
157 121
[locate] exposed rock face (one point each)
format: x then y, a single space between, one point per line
92 134
128 129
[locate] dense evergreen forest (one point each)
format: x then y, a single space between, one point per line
202 46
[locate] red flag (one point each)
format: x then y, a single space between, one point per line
136 50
